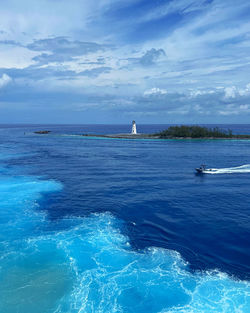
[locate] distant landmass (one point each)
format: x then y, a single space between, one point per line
173 132
42 132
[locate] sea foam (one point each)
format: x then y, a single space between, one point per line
110 277
229 170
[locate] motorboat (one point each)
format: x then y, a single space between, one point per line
201 169
204 170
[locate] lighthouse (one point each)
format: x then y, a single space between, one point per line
133 132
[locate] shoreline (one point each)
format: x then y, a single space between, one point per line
147 136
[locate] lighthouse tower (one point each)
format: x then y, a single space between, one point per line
133 132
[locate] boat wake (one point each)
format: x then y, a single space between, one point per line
229 170
87 265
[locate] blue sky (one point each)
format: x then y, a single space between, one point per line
112 61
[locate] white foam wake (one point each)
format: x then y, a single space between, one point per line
229 170
87 265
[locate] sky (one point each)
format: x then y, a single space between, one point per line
114 61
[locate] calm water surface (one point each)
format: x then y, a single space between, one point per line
114 225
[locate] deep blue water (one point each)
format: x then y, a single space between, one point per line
114 225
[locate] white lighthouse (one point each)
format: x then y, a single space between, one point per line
133 132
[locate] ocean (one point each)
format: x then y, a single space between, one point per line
116 225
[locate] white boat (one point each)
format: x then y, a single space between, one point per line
202 169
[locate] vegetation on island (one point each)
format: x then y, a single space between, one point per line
197 132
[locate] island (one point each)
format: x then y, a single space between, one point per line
173 132
180 132
42 132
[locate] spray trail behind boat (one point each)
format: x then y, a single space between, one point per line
229 170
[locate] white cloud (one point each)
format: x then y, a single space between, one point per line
230 92
16 57
27 20
5 80
199 38
195 93
245 91
184 6
155 91
244 107
233 92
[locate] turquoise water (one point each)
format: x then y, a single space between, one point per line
82 257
